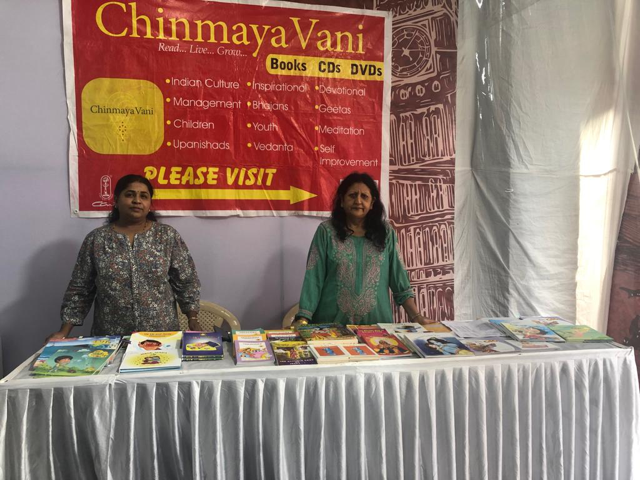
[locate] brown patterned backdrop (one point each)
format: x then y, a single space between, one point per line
422 157
422 153
624 309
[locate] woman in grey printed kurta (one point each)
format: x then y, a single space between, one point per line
135 270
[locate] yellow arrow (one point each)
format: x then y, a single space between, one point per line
294 195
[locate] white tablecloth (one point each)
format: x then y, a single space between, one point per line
553 415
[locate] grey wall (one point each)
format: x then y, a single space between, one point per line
252 266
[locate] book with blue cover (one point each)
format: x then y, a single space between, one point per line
202 346
75 357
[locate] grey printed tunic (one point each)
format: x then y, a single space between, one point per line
135 287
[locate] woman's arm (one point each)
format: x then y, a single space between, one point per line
184 281
413 313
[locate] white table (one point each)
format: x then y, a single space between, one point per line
551 415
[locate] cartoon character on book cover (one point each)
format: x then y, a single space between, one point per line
72 361
386 346
253 353
442 346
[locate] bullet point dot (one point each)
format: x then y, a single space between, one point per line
248 125
168 144
315 148
168 99
169 123
248 84
160 10
249 145
317 107
317 87
248 104
316 127
168 81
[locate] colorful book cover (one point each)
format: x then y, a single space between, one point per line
292 353
75 357
283 335
489 346
255 334
527 331
548 321
360 352
435 346
437 328
526 346
384 344
395 328
329 353
327 334
202 346
580 333
148 351
253 352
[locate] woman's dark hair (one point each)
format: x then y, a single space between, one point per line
122 184
374 222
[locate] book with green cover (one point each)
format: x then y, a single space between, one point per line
580 333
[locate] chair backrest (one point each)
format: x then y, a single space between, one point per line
211 315
290 316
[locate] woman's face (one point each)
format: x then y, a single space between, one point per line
357 202
134 202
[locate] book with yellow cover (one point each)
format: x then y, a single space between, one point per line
149 351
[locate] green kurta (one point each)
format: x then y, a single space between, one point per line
348 282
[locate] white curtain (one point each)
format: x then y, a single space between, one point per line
547 126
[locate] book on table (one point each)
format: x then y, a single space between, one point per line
580 334
327 334
526 346
202 346
430 346
292 352
529 331
75 357
360 353
384 344
253 352
396 328
283 335
474 328
488 346
329 353
255 334
151 351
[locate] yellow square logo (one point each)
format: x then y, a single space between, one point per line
122 116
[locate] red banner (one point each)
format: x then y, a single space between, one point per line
228 108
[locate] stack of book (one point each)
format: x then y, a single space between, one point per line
329 353
327 334
202 346
73 357
527 330
251 347
383 343
427 345
151 351
292 352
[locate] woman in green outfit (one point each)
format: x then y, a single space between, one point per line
353 261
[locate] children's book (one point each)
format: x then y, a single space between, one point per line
75 357
327 334
473 329
150 351
292 353
253 352
329 353
437 328
580 333
526 346
256 334
384 344
530 331
430 346
488 346
360 353
198 346
283 335
547 321
395 328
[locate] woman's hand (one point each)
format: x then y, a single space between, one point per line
61 334
422 320
194 325
299 322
